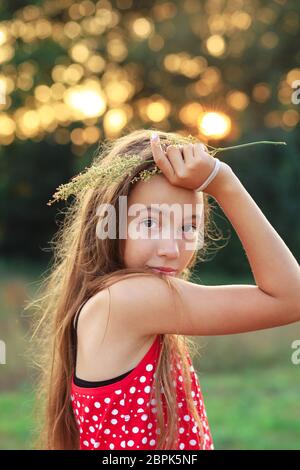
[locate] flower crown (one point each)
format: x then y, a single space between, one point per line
124 164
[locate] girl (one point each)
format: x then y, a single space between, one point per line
116 371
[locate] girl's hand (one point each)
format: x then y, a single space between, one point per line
187 166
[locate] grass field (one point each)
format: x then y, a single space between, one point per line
254 409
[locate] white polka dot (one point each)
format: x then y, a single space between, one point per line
127 417
144 417
114 412
142 379
132 389
140 401
78 404
153 401
122 402
114 421
144 440
186 418
123 444
92 429
152 442
107 400
150 425
147 389
86 443
96 445
130 443
135 429
92 441
149 367
111 446
180 378
181 446
192 442
95 418
97 404
181 430
194 429
107 431
118 392
86 409
140 410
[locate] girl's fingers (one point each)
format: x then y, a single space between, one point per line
177 162
188 153
199 149
175 156
201 153
160 157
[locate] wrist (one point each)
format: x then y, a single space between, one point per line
223 182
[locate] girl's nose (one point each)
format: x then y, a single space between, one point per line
168 248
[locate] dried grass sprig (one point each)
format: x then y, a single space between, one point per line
124 164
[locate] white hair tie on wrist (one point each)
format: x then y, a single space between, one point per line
211 176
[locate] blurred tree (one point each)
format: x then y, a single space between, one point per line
75 73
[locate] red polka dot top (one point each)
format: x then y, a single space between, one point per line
118 414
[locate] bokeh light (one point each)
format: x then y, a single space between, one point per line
215 125
79 61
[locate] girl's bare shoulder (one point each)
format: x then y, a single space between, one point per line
101 334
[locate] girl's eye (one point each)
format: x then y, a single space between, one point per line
147 220
190 225
148 223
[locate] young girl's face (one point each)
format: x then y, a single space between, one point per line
162 241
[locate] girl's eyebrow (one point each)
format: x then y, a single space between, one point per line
155 209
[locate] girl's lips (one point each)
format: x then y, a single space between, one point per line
164 271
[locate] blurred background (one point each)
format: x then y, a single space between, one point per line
74 73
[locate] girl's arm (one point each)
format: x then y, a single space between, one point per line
275 270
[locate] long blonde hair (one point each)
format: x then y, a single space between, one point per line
82 266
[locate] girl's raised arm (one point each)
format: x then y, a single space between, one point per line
274 268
